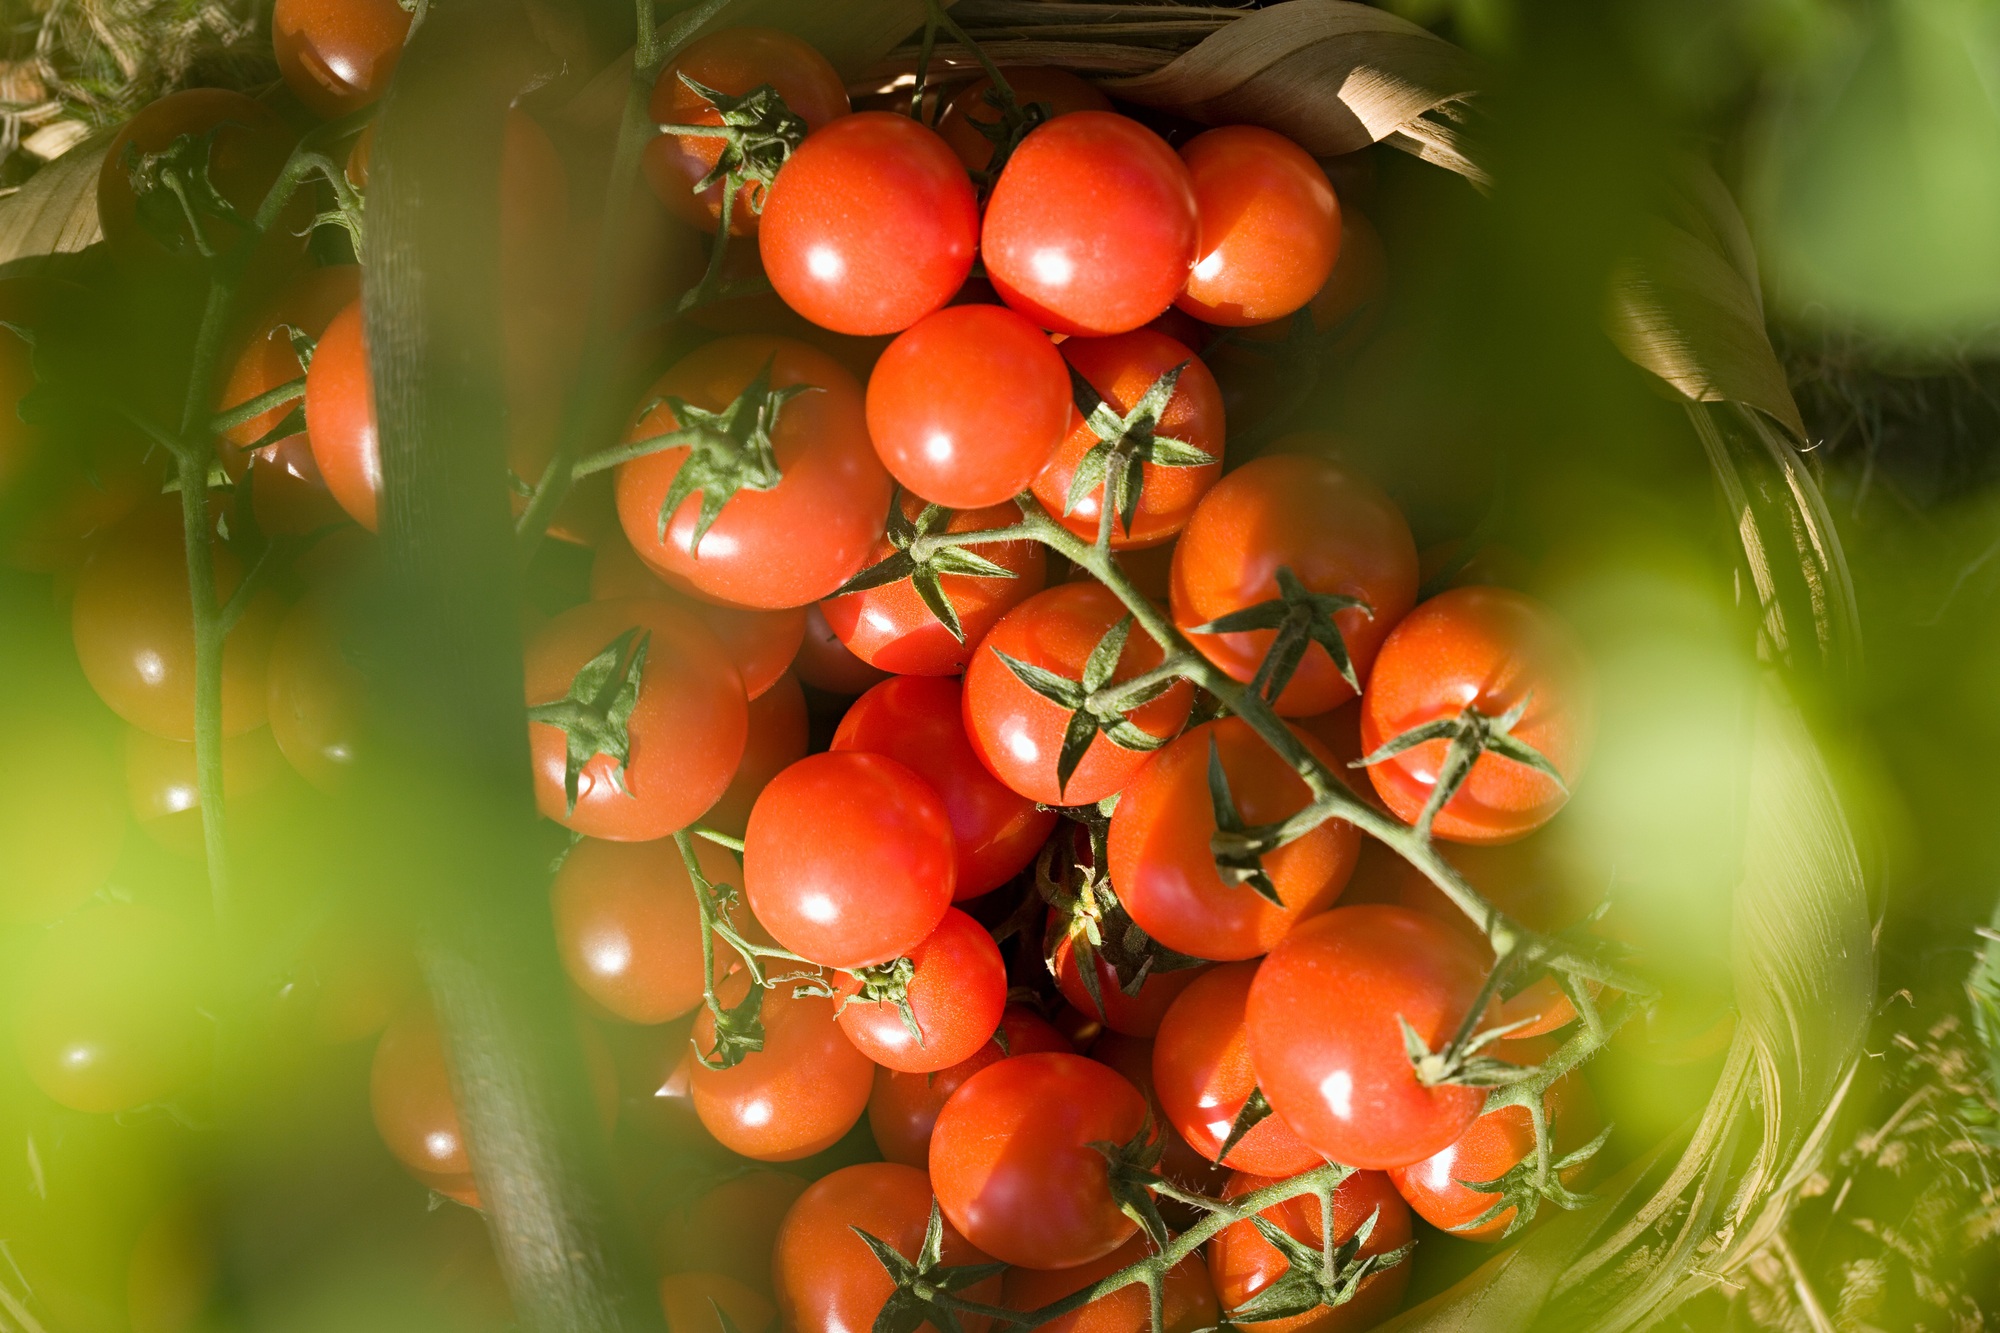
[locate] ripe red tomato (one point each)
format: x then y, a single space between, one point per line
1165 872
730 1227
968 109
1495 1145
1012 1164
848 859
1179 1163
870 226
828 1280
1324 1019
1350 302
317 699
161 780
919 721
1270 226
733 61
1018 733
780 735
956 990
1136 1015
340 417
106 1017
1187 1296
968 404
338 55
134 628
686 727
1091 227
1202 1074
687 1297
825 663
797 1095
1337 533
628 930
1122 368
792 543
1489 649
1243 1263
761 643
62 823
903 1109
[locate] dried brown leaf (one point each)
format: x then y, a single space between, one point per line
56 211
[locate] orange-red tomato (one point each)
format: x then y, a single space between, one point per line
1495 1144
779 736
1136 1015
956 992
318 700
338 55
730 1228
1061 91
796 1096
1269 221
1243 1263
340 417
825 663
161 780
1352 298
687 1297
1187 1296
903 1109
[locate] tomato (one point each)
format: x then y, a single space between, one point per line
686 1299
1336 532
1122 368
1187 1296
340 417
317 698
870 226
338 55
1018 733
825 663
779 737
827 1278
893 628
1179 1163
919 722
1091 227
106 1017
733 61
731 1227
1270 226
134 628
761 643
161 780
628 929
956 989
1160 858
1243 1263
786 545
685 730
848 859
1325 1018
1012 1164
969 109
1495 1145
797 1095
1202 1073
62 823
903 1109
1136 1015
1490 650
968 404
1345 310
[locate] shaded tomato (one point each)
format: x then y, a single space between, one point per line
1335 530
1179 1163
761 643
1135 1015
1062 92
62 822
1243 1263
1269 224
903 1108
1187 1296
779 736
1345 309
825 663
338 55
730 1227
161 780
956 990
317 698
1202 1075
796 1096
353 976
1489 649
1495 1145
340 417
656 1082
690 1300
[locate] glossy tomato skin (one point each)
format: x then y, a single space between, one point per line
1326 1045
1494 1145
317 699
1243 1263
787 546
903 1108
968 404
890 628
628 930
337 55
1352 298
870 225
779 736
968 109
687 730
1160 860
1334 529
793 1098
340 417
1202 1075
826 664
848 859
1187 1296
1090 229
1012 1166
1136 1015
686 1297
761 643
162 781
827 1279
1018 734
1269 222
62 819
409 1093
1122 368
919 722
956 995
1487 648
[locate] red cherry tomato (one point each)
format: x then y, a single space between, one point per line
338 56
1325 1020
870 226
1491 649
1243 1263
62 821
1135 1015
968 404
1202 1073
903 1109
919 721
160 778
1179 1163
340 417
1122 368
848 859
1187 1296
1270 226
733 61
1018 733
827 1278
687 1297
730 1227
1495 1145
797 1095
780 735
785 546
1012 1164
1165 872
318 701
825 663
686 729
1337 533
1091 228
892 628
1350 302
956 991
1061 91
761 643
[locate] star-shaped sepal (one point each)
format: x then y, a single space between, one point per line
172 187
922 564
1125 444
1302 618
739 1031
728 451
1523 1189
1085 915
1317 1275
1463 1062
920 1281
595 715
1090 715
1237 848
1132 1170
887 983
1471 734
759 133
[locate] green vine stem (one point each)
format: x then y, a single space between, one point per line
252 408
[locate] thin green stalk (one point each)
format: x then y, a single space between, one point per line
251 408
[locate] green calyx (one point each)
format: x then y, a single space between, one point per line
1302 618
924 565
759 134
1317 1275
1525 1185
728 451
1237 849
920 1281
1088 716
1132 1169
1125 444
739 1031
887 983
172 188
1463 1062
1085 915
594 715
1471 734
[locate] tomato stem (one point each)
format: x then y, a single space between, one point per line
717 836
251 408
